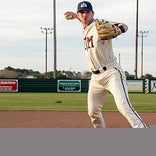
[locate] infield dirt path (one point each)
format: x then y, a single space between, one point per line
62 119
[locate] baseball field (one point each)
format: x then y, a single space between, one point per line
66 110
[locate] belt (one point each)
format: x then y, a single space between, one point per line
98 71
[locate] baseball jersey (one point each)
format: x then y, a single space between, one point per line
99 52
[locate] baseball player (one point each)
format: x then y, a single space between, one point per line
107 75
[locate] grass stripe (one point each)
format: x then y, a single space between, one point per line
69 102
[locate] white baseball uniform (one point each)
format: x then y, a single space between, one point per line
107 77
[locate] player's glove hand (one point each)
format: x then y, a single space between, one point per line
106 30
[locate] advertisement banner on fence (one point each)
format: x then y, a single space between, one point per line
153 86
135 86
8 85
69 86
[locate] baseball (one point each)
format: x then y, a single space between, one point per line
68 17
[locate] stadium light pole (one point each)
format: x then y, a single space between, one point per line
142 34
54 40
136 43
46 31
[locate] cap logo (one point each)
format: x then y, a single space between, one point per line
83 5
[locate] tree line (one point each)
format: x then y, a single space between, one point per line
10 72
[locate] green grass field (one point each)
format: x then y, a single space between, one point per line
69 101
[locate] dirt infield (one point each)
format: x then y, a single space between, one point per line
59 119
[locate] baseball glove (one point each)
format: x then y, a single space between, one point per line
106 30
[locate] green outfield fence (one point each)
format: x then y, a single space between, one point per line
68 85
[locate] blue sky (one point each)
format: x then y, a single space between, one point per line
22 45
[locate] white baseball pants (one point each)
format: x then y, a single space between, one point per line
113 81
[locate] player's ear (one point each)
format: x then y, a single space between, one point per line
93 13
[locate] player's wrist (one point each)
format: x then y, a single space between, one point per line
122 28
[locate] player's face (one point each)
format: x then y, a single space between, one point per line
85 17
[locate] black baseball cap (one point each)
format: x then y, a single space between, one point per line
84 5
